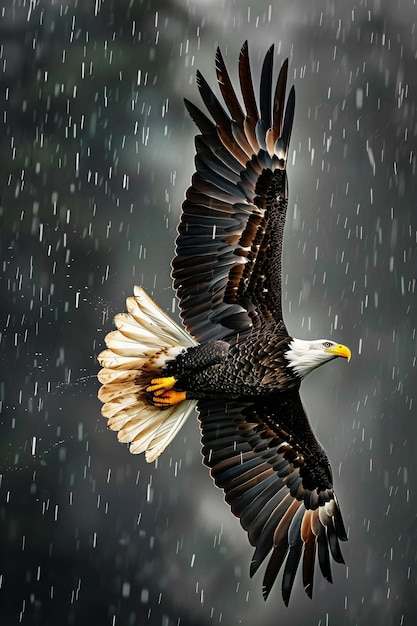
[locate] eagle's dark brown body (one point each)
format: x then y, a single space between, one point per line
254 367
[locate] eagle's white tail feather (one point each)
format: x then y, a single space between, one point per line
170 423
145 340
113 361
115 376
149 315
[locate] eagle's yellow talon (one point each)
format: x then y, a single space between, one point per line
158 392
161 384
167 399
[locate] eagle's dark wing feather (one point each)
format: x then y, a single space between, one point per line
229 244
278 481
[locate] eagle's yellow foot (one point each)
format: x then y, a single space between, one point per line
160 385
165 399
162 394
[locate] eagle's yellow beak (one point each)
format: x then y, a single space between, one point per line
339 350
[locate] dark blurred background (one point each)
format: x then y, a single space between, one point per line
96 153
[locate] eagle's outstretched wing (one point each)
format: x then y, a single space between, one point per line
227 269
279 486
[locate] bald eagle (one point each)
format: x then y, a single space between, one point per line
234 361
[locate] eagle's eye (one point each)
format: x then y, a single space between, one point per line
327 344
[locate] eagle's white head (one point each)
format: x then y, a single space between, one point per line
304 356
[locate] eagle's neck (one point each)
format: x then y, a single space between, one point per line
303 358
